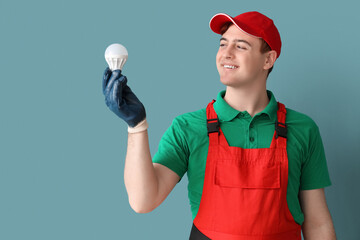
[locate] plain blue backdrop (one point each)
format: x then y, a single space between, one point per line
62 151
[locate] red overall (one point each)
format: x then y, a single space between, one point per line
244 193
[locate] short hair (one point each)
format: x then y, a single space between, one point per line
264 45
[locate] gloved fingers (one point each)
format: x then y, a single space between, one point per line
116 95
123 81
115 76
106 77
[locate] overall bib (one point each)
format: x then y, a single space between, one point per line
244 193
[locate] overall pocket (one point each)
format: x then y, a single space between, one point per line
241 174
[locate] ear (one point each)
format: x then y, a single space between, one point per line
270 59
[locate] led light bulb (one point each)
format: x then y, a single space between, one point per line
116 56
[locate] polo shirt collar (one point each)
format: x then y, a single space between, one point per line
227 113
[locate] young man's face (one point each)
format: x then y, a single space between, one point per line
239 60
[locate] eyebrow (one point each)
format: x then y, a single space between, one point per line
236 40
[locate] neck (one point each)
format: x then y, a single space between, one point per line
250 100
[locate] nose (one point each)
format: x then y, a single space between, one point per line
229 52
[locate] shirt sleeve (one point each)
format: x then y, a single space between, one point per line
173 151
314 170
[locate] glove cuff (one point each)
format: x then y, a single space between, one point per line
142 126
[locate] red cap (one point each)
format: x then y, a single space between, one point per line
253 23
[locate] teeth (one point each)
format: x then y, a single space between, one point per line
229 66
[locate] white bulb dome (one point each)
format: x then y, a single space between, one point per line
116 56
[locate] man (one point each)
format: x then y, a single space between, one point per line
256 169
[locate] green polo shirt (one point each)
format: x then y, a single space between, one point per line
184 147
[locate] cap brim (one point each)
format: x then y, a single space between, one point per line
218 20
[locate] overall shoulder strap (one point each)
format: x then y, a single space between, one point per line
280 135
213 124
280 125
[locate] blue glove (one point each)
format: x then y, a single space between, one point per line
120 99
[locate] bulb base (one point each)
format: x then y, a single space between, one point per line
116 62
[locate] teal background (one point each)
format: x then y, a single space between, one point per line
62 151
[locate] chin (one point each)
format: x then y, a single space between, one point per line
225 81
231 82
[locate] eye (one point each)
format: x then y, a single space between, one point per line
222 44
241 47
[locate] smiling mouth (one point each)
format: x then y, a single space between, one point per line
230 66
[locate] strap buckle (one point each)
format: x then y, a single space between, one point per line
281 129
213 125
